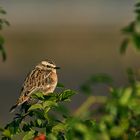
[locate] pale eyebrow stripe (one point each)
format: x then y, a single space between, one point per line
44 63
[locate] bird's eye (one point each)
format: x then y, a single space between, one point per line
48 66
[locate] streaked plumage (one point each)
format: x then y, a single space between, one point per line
42 78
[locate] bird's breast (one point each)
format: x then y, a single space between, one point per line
51 82
52 78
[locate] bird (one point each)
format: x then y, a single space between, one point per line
42 78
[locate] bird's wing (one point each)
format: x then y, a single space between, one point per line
33 82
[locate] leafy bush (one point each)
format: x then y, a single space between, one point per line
118 115
3 22
132 32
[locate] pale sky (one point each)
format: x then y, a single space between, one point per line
68 11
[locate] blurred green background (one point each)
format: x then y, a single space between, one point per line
81 36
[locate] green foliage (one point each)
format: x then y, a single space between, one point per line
3 22
34 119
132 32
118 116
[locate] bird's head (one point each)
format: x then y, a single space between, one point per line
47 65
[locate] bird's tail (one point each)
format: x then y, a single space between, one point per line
12 109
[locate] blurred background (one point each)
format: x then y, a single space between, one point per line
82 36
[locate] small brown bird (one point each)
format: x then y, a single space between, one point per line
42 78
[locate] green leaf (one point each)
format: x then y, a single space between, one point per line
2 11
14 127
135 106
49 104
51 97
38 95
2 48
6 133
2 40
136 40
62 109
35 106
3 52
126 96
129 29
66 95
39 122
137 133
39 114
6 22
137 11
116 131
3 22
46 113
1 129
51 136
137 4
29 135
60 127
26 127
124 46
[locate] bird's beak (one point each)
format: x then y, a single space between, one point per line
56 67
